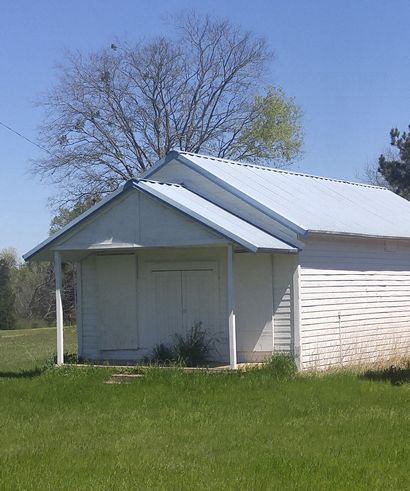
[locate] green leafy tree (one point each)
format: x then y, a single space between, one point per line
66 214
395 168
277 132
7 297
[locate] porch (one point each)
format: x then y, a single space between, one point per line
129 300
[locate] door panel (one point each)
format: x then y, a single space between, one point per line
199 297
178 295
117 302
167 305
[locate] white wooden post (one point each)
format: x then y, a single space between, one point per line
59 308
297 349
231 308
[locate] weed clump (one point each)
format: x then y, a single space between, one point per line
281 366
162 354
190 349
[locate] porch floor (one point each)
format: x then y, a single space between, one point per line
212 367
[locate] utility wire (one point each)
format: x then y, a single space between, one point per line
25 138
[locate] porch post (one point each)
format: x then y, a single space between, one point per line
231 307
59 308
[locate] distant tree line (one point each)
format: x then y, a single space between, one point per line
27 293
27 290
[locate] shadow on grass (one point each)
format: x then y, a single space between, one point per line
394 375
35 372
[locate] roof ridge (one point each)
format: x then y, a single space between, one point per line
161 183
133 181
283 171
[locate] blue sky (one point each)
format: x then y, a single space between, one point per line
345 62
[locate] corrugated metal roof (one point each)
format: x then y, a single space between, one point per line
213 216
310 203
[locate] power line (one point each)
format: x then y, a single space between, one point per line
24 137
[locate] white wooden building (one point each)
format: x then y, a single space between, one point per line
268 260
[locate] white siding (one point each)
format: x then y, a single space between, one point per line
117 302
367 282
263 299
138 220
88 293
78 307
283 267
254 306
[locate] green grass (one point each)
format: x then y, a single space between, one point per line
27 349
66 429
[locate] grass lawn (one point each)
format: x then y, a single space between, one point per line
26 349
66 429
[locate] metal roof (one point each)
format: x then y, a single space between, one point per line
307 203
189 203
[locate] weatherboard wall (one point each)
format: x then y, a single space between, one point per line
263 301
254 306
283 268
137 220
354 300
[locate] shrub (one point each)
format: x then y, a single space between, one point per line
193 348
282 366
163 354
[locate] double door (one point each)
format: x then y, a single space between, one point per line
179 298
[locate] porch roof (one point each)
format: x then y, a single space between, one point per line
228 225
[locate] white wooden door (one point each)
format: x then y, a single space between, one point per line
117 302
167 305
179 299
199 299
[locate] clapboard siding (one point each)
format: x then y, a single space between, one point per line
89 309
283 266
355 300
138 220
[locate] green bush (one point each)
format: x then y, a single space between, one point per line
282 366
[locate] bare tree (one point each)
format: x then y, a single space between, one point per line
117 111
371 174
